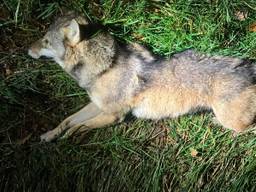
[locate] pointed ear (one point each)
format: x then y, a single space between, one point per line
72 32
89 30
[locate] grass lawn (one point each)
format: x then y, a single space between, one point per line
190 153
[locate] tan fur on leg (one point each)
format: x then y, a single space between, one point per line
98 121
89 111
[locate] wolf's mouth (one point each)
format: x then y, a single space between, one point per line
45 58
38 56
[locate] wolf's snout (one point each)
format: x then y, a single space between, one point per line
33 54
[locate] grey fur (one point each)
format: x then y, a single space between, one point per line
123 77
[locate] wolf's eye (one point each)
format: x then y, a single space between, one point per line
46 42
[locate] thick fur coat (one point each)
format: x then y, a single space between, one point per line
122 78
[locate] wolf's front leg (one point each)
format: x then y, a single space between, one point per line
88 112
100 120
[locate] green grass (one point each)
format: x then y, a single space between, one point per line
136 155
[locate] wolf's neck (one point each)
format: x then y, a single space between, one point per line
89 59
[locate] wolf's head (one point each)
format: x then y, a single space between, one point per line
65 31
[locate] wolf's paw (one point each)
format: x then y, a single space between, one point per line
216 121
48 136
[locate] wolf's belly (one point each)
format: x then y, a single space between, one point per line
149 109
149 113
161 102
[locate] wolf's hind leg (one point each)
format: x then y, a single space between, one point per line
239 113
89 111
98 121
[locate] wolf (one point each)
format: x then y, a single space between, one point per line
126 77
